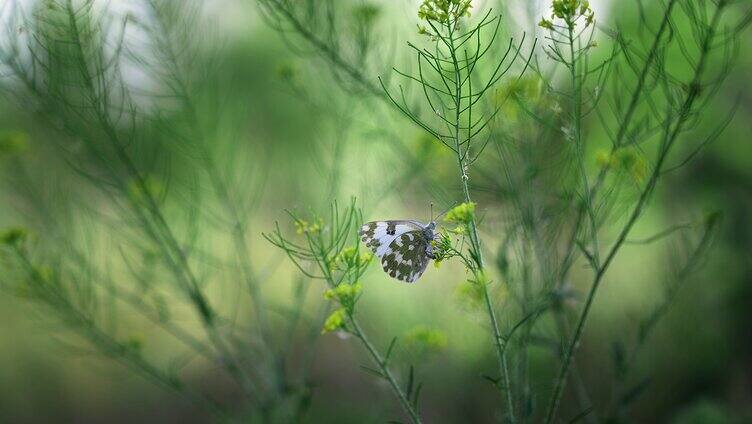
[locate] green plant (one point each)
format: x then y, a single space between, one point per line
547 154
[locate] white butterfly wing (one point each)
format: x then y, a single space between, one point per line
378 235
400 245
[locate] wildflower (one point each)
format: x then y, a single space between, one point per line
350 258
442 248
335 321
424 341
460 230
461 214
444 11
545 23
569 11
302 226
345 294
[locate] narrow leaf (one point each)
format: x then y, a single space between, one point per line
410 381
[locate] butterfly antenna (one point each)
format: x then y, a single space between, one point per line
431 212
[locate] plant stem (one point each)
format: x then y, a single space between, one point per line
107 344
474 239
577 135
155 222
321 260
384 368
668 141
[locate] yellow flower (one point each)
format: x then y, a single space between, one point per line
335 321
303 226
545 23
345 294
350 257
461 214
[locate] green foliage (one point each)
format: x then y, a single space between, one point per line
13 236
144 189
13 143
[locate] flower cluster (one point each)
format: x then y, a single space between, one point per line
442 12
302 226
442 248
350 258
462 214
347 296
335 321
569 11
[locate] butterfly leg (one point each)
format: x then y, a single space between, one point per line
429 251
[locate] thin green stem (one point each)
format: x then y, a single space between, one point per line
357 330
668 141
108 345
474 239
387 373
577 135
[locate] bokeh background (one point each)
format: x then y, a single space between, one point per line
292 134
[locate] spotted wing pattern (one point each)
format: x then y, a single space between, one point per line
378 235
401 246
407 256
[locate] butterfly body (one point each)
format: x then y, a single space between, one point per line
404 247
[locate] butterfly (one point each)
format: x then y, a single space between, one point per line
404 247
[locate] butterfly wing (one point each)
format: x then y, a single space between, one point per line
406 257
378 235
401 246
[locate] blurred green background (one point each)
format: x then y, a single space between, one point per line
291 133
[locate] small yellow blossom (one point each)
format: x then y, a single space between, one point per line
335 321
350 257
444 11
461 214
345 294
303 226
